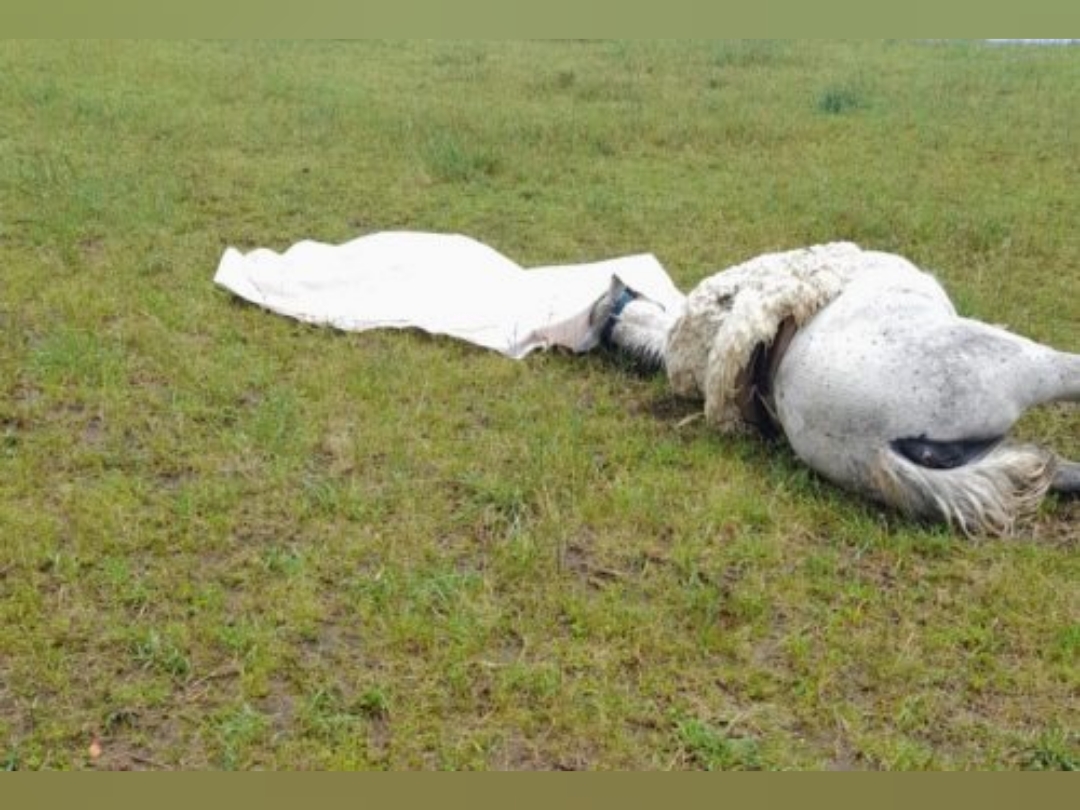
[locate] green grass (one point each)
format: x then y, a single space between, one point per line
232 541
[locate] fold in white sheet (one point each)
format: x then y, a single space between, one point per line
443 284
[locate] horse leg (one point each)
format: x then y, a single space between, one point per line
1067 478
1053 377
1069 367
1060 382
1064 386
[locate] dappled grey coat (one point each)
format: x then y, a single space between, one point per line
860 360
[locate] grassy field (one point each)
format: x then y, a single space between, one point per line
231 541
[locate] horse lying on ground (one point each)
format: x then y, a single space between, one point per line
857 357
860 361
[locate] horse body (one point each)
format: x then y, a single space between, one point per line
881 388
888 392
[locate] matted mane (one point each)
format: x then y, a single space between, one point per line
731 315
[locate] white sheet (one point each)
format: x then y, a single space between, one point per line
441 283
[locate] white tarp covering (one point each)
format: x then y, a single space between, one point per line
440 283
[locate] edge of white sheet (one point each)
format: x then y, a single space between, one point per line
444 284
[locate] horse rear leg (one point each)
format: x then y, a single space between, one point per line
1061 383
1067 478
1059 378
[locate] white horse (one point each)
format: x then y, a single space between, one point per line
860 360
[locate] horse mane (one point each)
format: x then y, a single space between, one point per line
733 317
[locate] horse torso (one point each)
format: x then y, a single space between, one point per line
889 361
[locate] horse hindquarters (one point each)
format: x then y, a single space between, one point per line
879 377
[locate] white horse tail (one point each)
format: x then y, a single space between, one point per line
988 495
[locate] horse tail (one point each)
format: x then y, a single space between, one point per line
990 494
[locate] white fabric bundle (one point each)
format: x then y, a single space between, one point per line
440 283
